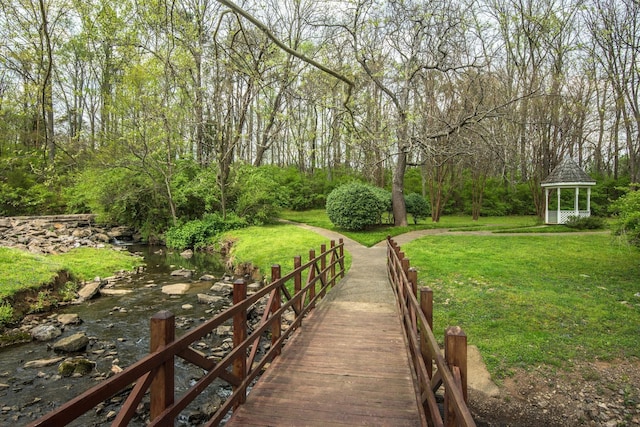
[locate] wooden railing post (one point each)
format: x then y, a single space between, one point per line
162 386
426 305
333 263
312 276
412 275
404 264
455 354
239 335
297 283
323 266
341 242
276 322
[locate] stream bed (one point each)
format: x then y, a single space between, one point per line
118 330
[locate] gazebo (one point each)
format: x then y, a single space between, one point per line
567 175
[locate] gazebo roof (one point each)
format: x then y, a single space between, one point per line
567 172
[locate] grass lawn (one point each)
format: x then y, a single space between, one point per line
275 244
526 300
23 270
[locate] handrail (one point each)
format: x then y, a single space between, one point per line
417 317
154 372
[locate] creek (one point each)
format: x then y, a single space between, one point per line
118 328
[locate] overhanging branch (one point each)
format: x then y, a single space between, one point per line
237 9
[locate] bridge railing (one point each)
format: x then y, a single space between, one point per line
155 372
451 369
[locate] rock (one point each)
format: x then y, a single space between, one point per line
69 319
45 332
209 299
113 292
187 274
41 363
81 233
176 289
254 287
222 288
188 254
78 366
187 307
207 278
73 343
89 290
224 330
120 232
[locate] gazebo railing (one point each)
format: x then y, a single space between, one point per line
565 214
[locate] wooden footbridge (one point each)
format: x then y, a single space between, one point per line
362 354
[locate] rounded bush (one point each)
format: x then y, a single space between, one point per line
354 206
417 206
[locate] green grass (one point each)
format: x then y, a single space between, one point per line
275 244
87 263
526 300
21 270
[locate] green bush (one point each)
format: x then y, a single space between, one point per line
195 190
354 206
384 197
197 234
121 196
417 206
257 196
585 223
627 208
6 313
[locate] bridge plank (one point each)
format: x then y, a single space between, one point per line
346 366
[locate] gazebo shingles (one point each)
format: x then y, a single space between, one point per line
567 171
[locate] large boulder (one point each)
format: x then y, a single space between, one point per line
45 332
187 274
69 319
71 344
76 367
41 363
209 299
176 289
90 290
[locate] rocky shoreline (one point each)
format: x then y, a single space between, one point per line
61 233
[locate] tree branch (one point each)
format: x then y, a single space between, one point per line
237 9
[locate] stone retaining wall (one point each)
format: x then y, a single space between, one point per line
60 233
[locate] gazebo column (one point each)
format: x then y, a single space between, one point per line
546 205
558 220
589 200
575 202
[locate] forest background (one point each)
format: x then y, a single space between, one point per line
159 112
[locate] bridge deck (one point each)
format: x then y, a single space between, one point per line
346 366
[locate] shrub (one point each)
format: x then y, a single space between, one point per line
198 233
256 194
585 223
417 206
627 208
384 197
6 313
354 206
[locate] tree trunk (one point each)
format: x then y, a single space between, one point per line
397 191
